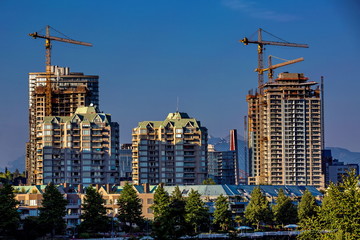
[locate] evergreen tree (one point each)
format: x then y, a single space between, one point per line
307 206
284 210
341 207
209 181
161 209
258 210
130 207
9 220
196 213
94 213
53 210
339 213
177 214
222 214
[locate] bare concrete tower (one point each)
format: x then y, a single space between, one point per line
285 132
69 91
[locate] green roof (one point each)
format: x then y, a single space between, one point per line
84 114
176 120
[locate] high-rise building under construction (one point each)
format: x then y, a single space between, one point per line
69 90
285 132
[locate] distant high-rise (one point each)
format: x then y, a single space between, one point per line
172 151
125 156
222 166
69 91
82 148
285 132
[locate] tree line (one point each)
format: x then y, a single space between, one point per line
175 216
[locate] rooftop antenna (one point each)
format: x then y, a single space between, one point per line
177 104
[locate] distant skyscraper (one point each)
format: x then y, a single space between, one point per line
79 149
172 151
222 166
125 156
285 133
69 91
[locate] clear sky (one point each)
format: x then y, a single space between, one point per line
149 53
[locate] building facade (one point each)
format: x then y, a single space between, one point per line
285 132
69 91
337 171
82 148
172 151
125 156
222 166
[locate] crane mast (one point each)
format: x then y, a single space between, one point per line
48 39
261 43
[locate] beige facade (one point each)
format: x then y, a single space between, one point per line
285 133
172 151
82 148
69 91
30 199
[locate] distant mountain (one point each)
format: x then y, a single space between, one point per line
18 163
344 155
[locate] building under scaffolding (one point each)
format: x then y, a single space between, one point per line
69 91
285 132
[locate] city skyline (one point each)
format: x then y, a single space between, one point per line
160 51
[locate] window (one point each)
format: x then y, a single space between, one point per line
149 210
32 203
86 132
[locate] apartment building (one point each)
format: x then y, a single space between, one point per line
82 148
285 132
172 151
125 157
69 91
222 166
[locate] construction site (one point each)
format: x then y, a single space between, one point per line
284 124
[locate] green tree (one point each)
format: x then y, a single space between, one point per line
339 213
162 224
9 220
258 210
284 210
177 214
307 206
161 202
53 210
130 207
209 181
94 213
196 212
222 214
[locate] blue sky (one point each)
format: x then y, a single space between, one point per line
149 53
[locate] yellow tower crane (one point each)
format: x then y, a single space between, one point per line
261 43
48 39
272 67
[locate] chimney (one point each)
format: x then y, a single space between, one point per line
233 140
234 147
146 187
108 188
80 188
